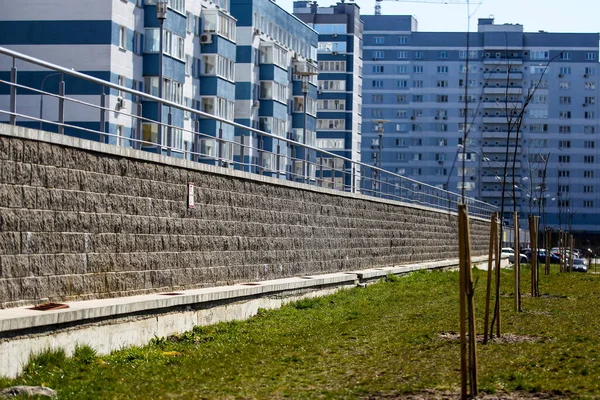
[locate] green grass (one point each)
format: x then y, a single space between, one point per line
374 341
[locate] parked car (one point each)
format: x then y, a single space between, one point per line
580 265
554 258
511 256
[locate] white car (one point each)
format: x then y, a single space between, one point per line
511 256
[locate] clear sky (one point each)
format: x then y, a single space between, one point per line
534 15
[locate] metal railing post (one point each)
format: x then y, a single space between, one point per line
169 132
196 148
278 159
242 150
353 177
321 171
61 105
259 169
13 93
103 138
138 127
220 145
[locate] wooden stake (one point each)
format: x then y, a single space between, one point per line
533 237
491 255
571 243
517 265
548 246
467 299
560 261
463 323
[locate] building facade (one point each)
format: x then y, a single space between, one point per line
339 105
433 89
230 58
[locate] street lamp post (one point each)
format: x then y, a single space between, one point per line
161 15
42 96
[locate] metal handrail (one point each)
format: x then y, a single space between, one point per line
402 185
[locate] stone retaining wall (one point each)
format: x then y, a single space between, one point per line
81 220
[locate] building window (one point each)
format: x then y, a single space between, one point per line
564 99
378 40
588 159
402 69
378 55
122 38
331 124
564 114
564 159
590 85
442 69
588 204
442 84
402 55
442 55
137 43
589 115
377 98
590 56
588 174
417 98
442 98
564 144
378 69
402 40
564 129
419 55
564 70
565 55
565 85
401 98
121 82
377 84
588 144
539 55
588 189
403 84
190 23
417 84
418 69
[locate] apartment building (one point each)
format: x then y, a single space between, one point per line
432 88
339 104
230 58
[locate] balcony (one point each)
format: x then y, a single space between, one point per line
498 193
494 120
514 76
511 105
500 149
494 164
502 90
496 134
503 61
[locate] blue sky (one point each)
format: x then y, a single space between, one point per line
534 15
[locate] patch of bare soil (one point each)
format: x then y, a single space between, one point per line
444 395
505 338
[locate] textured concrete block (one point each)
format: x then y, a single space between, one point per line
10 243
70 264
15 266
